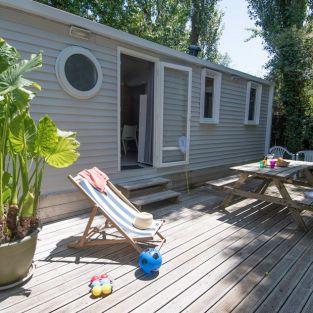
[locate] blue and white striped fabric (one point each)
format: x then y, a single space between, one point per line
118 211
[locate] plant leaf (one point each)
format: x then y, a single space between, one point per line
6 194
21 98
8 55
64 133
7 186
11 78
65 153
6 179
28 205
47 137
22 134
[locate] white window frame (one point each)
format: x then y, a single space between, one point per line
159 121
65 84
257 106
217 85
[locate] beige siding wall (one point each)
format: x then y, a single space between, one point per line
95 119
229 141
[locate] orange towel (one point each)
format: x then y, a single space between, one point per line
96 178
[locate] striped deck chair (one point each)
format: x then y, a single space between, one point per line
119 213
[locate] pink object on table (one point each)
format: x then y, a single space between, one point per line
95 177
272 163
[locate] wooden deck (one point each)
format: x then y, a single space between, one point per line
250 258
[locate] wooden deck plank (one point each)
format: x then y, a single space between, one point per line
274 276
211 257
209 300
94 254
171 213
267 241
174 250
45 244
180 217
242 212
285 287
59 225
194 198
169 285
239 283
301 293
308 306
57 280
203 253
67 297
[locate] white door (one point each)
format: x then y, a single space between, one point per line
173 120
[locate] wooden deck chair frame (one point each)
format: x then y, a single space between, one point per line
86 241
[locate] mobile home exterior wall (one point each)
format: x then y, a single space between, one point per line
95 119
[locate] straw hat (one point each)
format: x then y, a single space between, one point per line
143 220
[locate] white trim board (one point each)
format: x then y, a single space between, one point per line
257 104
61 76
269 119
160 119
66 18
217 86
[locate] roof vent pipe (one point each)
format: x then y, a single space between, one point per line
194 50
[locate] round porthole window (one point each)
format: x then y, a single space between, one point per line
79 72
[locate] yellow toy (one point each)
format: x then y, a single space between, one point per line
106 289
96 291
101 285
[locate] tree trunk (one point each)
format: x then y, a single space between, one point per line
196 8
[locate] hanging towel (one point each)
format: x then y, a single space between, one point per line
96 178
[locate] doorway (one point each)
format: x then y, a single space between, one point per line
137 81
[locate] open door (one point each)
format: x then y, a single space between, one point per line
174 114
136 116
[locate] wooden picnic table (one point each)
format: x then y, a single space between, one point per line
284 178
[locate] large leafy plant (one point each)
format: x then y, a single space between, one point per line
26 147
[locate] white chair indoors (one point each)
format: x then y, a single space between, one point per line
129 133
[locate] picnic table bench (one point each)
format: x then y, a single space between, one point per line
284 178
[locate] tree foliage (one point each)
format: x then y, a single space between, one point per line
206 29
173 23
286 28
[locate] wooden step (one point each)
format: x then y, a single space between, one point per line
155 197
144 183
143 186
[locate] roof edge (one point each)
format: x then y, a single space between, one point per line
63 17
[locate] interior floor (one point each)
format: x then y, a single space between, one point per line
130 161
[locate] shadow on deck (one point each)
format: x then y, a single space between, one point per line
248 258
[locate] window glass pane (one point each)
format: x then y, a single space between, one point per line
208 97
252 104
81 72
